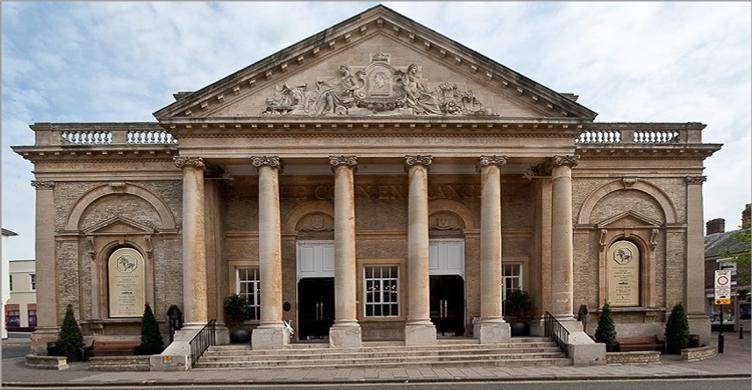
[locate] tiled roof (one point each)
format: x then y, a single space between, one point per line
716 243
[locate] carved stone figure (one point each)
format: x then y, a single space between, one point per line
376 89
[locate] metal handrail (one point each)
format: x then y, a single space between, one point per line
556 331
205 338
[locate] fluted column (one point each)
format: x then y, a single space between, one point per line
562 247
346 331
419 329
492 327
47 318
194 244
271 333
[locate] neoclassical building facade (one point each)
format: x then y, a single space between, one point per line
374 181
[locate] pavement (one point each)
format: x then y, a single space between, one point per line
731 368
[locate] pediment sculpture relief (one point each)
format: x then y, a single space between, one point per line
376 89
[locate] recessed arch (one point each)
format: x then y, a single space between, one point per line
167 220
454 207
639 185
296 214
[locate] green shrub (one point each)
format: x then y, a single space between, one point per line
518 304
69 340
677 330
151 338
606 331
236 309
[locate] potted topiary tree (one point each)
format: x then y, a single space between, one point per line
236 311
677 330
151 338
518 309
70 342
606 331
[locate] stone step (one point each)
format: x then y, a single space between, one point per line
295 355
523 362
246 349
349 360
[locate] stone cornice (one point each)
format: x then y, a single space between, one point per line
377 20
653 152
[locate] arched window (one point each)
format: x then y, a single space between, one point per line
126 283
623 270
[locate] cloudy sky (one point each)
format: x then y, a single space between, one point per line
86 61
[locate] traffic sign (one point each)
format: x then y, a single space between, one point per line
723 287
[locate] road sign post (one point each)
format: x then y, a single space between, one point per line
722 297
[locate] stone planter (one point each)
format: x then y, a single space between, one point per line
240 336
697 354
519 328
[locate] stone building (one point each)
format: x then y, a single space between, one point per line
374 181
21 307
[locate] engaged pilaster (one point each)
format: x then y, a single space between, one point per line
419 330
46 330
271 333
346 331
699 323
492 328
562 251
194 244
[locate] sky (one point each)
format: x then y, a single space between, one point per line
112 61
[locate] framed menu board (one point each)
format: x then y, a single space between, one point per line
126 283
623 270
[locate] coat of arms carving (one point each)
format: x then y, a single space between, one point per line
378 88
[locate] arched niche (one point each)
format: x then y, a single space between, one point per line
167 220
623 269
448 215
310 216
648 188
126 283
103 251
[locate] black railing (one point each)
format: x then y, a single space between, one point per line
556 331
205 338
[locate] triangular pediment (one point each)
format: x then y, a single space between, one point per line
118 225
375 63
628 219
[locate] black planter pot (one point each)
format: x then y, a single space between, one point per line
240 336
519 328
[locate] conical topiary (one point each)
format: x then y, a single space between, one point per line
606 331
677 330
151 338
69 340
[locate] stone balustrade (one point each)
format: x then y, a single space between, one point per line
639 134
102 134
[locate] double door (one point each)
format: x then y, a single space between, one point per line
448 304
315 307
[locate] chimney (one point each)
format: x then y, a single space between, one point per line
717 225
745 217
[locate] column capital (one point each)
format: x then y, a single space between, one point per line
485 161
695 179
418 159
194 162
43 185
565 160
268 161
347 161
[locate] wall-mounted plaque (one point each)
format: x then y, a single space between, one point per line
623 270
126 283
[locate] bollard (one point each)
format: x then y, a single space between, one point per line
741 332
720 342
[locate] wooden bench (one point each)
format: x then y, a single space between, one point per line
642 343
114 347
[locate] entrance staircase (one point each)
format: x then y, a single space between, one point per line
526 351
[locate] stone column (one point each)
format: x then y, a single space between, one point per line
346 331
194 242
562 251
47 321
492 328
699 323
271 333
419 330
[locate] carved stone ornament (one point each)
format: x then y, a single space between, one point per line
418 160
695 179
602 240
445 222
43 185
653 238
268 161
349 161
568 160
378 88
492 160
194 162
316 223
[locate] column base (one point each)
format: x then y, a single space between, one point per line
222 334
699 324
39 339
270 337
420 333
345 336
492 331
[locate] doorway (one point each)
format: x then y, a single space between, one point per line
315 307
448 304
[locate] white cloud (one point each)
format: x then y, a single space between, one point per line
120 61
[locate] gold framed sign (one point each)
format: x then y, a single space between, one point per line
126 283
623 274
